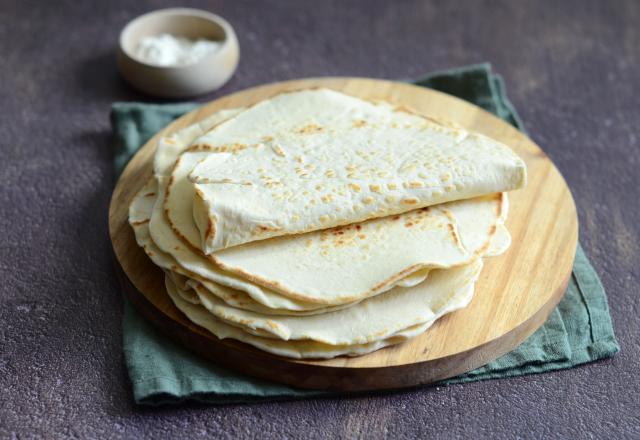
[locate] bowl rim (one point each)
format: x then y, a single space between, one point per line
229 33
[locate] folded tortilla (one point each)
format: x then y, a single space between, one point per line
316 271
315 159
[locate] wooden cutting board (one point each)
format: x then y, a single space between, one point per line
515 293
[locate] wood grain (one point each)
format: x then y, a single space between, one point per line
514 295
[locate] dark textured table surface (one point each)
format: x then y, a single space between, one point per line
572 69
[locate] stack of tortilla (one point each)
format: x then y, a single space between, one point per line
315 224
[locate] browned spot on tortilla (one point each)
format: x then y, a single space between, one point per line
396 217
151 194
408 224
200 193
398 276
180 235
449 215
229 148
359 123
310 128
454 234
358 227
140 222
211 230
411 201
499 204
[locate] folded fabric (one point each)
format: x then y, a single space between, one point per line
579 330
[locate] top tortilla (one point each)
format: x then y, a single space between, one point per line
314 159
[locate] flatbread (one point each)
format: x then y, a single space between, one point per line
349 263
232 297
293 349
352 263
178 206
314 159
373 319
232 290
322 279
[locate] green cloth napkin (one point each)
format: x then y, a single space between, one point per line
578 331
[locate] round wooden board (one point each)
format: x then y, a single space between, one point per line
514 296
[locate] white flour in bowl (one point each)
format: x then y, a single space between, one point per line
170 50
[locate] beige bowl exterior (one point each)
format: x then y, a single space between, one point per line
206 75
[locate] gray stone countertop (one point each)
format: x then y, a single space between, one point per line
572 70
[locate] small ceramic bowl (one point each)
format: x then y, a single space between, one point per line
205 75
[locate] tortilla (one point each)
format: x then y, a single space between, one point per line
343 274
293 349
373 319
233 290
349 263
315 159
360 250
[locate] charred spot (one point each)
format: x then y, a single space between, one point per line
210 228
358 227
499 205
310 128
454 233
